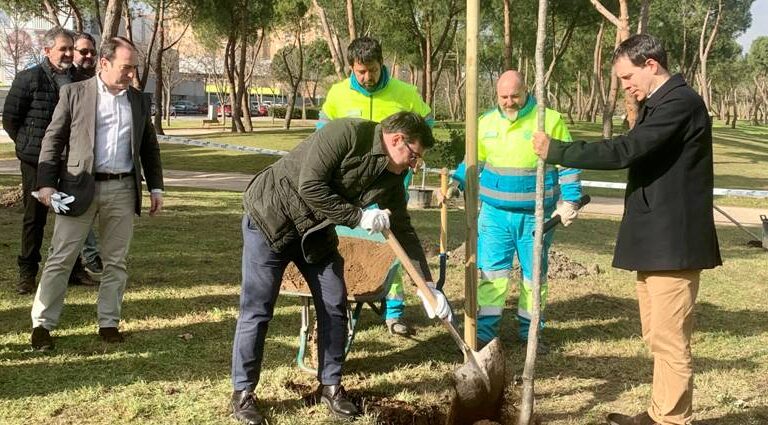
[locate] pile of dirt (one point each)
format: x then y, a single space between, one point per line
396 412
560 265
366 264
10 198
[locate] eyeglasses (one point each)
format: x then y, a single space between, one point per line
85 52
414 158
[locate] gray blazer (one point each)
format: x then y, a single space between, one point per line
67 151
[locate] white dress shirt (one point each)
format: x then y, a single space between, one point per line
114 121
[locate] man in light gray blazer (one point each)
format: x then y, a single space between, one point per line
98 143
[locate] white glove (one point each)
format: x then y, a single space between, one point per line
443 310
567 212
375 220
59 201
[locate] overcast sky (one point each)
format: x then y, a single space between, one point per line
759 24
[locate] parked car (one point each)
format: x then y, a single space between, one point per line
258 110
227 110
185 107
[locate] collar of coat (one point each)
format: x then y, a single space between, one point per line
672 83
378 142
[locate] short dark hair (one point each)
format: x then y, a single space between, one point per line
108 47
641 47
85 35
364 50
412 125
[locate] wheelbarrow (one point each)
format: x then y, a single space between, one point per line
372 295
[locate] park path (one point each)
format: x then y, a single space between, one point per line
238 181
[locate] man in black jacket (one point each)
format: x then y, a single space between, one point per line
26 114
292 208
667 233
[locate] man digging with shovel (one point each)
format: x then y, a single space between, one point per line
291 209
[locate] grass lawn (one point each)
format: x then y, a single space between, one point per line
7 151
181 304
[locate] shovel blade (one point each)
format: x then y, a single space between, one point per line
479 382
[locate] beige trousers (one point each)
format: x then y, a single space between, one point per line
114 205
666 301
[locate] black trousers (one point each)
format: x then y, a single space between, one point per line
33 223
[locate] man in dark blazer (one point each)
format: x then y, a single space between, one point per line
667 234
99 141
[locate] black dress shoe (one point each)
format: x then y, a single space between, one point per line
641 419
110 335
41 339
244 408
336 399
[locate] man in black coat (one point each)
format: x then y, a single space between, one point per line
667 233
26 114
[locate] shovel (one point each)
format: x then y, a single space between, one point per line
479 382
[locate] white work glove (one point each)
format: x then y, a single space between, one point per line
59 201
567 212
443 310
375 220
452 192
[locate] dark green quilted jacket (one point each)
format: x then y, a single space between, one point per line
325 181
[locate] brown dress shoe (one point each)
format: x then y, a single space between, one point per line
26 285
641 419
110 335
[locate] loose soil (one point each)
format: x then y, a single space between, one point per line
366 264
560 265
10 198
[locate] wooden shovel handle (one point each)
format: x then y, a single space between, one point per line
409 268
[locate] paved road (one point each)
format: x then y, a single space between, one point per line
237 182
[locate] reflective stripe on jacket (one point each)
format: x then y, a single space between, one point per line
507 162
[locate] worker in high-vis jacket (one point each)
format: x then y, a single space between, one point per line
371 93
507 167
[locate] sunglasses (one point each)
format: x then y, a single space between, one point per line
85 52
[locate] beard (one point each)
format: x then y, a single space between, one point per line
88 65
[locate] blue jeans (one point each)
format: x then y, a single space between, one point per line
262 273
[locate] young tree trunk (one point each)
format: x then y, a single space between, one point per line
351 27
158 119
507 36
52 13
610 103
242 94
595 91
112 19
735 111
705 49
230 66
336 56
150 47
645 10
529 370
295 80
77 14
97 13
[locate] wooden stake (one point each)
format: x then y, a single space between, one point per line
471 186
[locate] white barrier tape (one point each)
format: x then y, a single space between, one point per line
744 193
